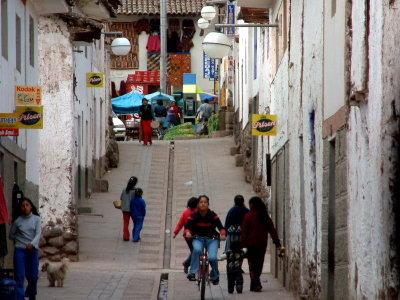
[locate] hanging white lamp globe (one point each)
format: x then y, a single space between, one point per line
216 44
120 46
203 23
208 12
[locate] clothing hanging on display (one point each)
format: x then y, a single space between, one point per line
188 30
174 43
155 25
143 25
153 43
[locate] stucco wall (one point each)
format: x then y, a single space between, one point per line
56 138
373 161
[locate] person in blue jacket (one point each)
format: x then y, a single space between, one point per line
138 212
25 232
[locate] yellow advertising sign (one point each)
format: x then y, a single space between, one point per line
94 79
264 124
8 120
30 117
223 97
28 95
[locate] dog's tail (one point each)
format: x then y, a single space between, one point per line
64 264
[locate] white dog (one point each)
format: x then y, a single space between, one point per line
56 272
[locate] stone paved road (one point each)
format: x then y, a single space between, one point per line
110 268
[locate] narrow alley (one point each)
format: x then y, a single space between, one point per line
110 268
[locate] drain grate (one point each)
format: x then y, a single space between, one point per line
163 289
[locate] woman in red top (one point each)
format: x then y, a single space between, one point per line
191 208
254 236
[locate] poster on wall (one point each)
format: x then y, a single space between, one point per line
94 79
264 124
25 117
230 19
208 67
28 95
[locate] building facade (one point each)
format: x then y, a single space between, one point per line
328 71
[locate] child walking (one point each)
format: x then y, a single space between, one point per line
138 212
25 232
234 271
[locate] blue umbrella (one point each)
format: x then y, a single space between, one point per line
128 103
159 96
207 96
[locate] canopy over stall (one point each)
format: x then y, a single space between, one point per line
128 103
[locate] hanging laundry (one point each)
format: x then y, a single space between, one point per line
153 43
188 30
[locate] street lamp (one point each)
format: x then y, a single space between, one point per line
216 44
208 12
120 46
203 23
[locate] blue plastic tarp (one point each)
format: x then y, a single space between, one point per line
209 97
128 103
159 96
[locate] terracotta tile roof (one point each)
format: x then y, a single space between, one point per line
152 7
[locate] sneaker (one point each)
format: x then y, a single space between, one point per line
191 277
215 281
239 289
185 268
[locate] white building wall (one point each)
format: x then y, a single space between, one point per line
57 137
371 144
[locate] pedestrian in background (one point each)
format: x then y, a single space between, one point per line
234 220
25 232
146 115
191 208
127 194
254 236
173 115
234 258
138 212
205 111
160 112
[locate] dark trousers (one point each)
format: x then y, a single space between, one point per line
26 264
235 278
255 257
189 258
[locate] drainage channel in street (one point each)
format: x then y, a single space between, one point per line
163 289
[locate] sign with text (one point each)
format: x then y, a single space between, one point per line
28 95
9 132
30 117
264 124
94 79
230 19
208 67
8 120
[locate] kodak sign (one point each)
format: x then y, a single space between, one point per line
28 95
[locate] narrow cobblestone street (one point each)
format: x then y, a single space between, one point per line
110 268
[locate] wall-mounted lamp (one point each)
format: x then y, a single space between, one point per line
203 23
120 46
216 44
208 12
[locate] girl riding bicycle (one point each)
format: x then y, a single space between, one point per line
203 224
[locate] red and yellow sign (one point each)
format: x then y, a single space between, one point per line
28 95
26 117
94 79
264 124
9 132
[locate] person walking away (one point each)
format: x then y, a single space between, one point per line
191 208
205 110
173 115
126 196
25 232
203 224
146 115
254 236
234 257
160 112
234 220
138 212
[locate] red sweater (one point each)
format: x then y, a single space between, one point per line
254 232
183 219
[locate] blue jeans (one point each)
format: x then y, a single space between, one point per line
26 264
137 227
212 249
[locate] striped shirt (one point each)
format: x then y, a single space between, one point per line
204 226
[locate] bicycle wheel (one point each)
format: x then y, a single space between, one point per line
203 279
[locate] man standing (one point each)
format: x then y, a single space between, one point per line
204 111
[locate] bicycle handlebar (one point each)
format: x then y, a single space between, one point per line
206 237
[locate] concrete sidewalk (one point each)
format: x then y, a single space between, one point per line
110 268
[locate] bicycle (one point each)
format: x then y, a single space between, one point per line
204 267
